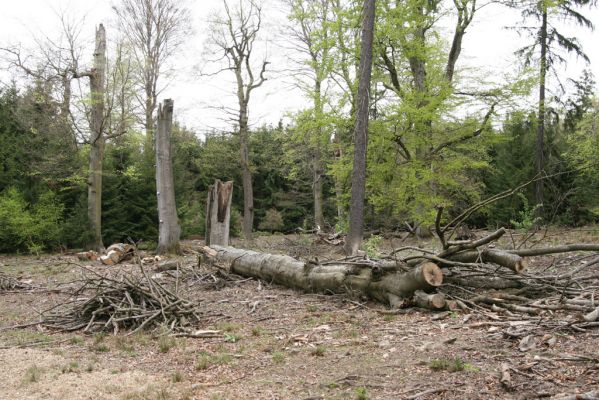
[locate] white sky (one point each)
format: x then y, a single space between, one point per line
487 45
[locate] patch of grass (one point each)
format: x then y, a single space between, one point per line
126 345
19 337
228 326
206 360
278 357
150 393
177 377
333 385
319 351
33 374
389 318
100 348
312 308
89 368
446 364
73 366
77 340
361 393
166 343
257 331
99 337
232 338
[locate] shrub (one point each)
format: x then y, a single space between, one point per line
273 221
26 227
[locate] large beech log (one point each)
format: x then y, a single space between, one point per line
500 257
379 281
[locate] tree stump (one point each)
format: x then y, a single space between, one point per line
218 213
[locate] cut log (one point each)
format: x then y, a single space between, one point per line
116 253
434 301
385 285
218 213
500 257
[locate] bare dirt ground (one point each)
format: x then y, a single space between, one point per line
277 343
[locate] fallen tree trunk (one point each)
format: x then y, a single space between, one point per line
375 280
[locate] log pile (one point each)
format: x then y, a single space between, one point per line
126 302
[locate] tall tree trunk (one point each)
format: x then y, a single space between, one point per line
358 190
248 195
338 154
540 142
317 159
169 230
96 155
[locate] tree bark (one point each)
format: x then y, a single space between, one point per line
434 301
96 155
540 141
218 213
317 158
382 281
248 194
358 190
168 228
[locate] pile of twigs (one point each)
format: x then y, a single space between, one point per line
125 302
8 283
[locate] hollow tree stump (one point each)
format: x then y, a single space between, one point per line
218 213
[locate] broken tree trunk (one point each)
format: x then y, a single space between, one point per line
378 280
218 213
168 228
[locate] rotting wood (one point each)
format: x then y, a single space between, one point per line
376 281
218 213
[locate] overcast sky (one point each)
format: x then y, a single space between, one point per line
487 45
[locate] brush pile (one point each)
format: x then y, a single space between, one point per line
125 302
8 283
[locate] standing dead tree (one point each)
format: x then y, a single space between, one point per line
235 34
97 79
168 228
218 213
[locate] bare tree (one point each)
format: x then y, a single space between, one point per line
358 190
236 34
155 30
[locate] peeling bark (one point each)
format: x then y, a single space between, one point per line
382 281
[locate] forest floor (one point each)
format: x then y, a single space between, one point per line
277 343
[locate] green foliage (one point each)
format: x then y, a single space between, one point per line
29 228
371 246
446 364
526 218
272 221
